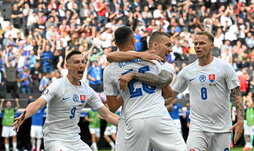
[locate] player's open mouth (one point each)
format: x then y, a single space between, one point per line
198 51
80 72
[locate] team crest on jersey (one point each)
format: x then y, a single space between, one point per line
202 78
211 78
226 149
75 98
82 98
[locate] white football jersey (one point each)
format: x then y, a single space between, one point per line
140 100
64 104
209 88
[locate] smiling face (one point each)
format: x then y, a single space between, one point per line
203 46
76 67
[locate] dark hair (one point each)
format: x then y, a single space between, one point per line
208 34
71 54
123 34
155 36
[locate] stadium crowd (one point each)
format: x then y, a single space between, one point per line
41 32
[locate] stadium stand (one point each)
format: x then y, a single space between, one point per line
38 33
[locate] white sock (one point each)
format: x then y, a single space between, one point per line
112 144
7 147
38 144
14 145
33 143
95 146
248 144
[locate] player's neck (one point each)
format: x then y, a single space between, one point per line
127 48
73 80
205 60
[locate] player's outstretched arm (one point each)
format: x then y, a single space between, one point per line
238 126
31 109
130 55
114 103
161 80
107 115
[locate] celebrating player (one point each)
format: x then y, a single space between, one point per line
210 81
147 121
65 98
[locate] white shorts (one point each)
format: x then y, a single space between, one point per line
201 141
120 135
62 146
8 131
110 130
249 130
95 131
36 131
159 133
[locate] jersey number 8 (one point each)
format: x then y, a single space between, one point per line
203 93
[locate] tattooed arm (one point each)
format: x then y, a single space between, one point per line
161 80
238 127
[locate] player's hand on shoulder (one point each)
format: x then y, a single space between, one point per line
18 121
124 80
150 55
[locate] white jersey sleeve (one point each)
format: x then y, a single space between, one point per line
180 83
109 84
51 91
169 67
93 99
232 80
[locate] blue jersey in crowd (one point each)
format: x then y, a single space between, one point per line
176 112
95 72
37 118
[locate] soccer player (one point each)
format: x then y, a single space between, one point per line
210 81
36 129
249 123
94 127
8 118
147 121
65 98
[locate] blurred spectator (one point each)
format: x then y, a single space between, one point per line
11 78
25 80
17 16
2 85
45 81
95 76
8 113
47 59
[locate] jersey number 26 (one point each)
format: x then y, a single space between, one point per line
136 92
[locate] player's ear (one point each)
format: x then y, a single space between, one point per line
67 65
133 40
